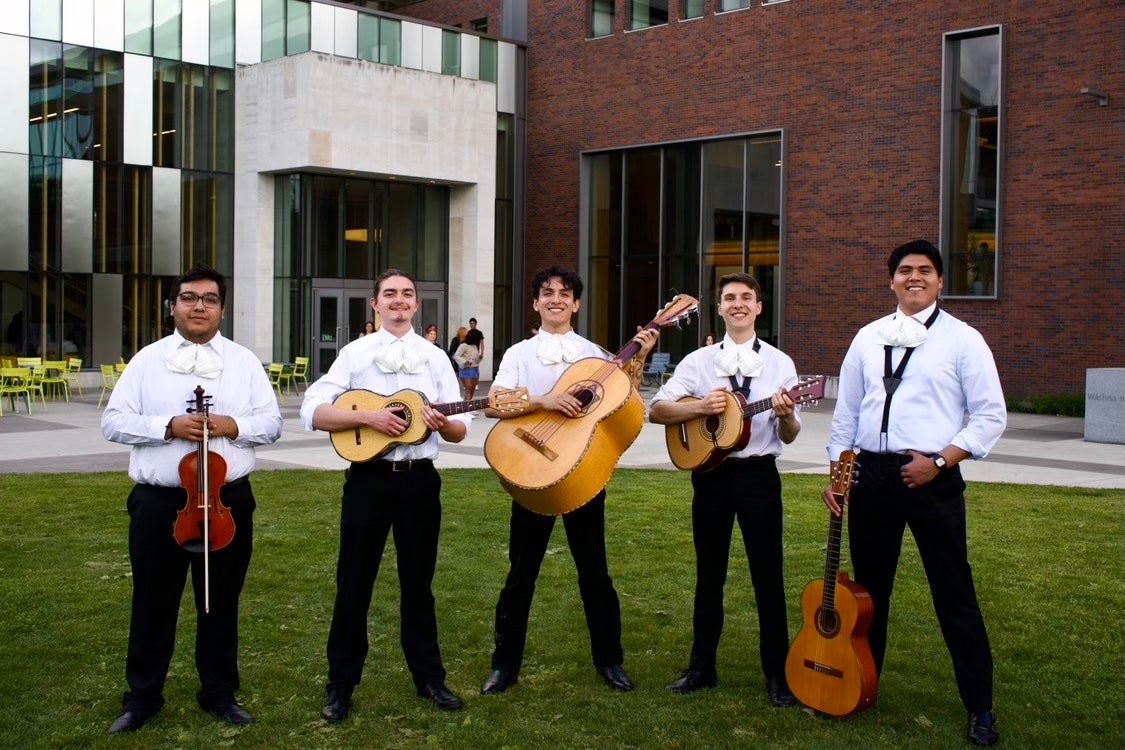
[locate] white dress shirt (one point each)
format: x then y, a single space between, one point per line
522 366
355 368
148 395
696 376
952 372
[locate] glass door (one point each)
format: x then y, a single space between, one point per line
339 316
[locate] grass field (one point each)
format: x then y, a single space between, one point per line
1047 561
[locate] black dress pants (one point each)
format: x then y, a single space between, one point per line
749 490
160 568
527 544
881 506
379 501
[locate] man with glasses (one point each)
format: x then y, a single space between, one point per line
148 411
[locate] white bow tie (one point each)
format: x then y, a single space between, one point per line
203 360
400 357
741 360
902 330
555 348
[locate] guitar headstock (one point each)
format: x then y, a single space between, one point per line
509 400
682 306
808 391
843 474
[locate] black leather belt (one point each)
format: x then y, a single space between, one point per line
414 464
750 460
884 459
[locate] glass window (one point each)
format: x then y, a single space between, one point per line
108 106
479 25
489 60
434 232
601 18
167 126
450 53
643 13
273 29
138 26
359 230
367 37
326 240
221 87
46 19
725 5
206 221
402 227
222 33
298 27
45 101
971 193
390 41
166 24
691 9
78 103
122 218
44 213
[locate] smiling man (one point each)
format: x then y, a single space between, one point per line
910 447
399 490
148 411
746 486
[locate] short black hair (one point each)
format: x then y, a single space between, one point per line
570 280
388 274
198 273
915 247
739 278
474 337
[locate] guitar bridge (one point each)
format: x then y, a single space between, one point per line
822 668
536 443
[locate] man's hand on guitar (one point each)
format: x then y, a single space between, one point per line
561 402
388 422
452 431
646 337
832 501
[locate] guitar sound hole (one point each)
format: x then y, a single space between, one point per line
827 622
712 425
403 411
588 393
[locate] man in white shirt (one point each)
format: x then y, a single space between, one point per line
147 410
537 363
910 446
400 489
746 485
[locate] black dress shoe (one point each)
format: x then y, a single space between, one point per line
616 678
779 693
233 713
982 728
336 705
442 696
692 680
126 722
498 682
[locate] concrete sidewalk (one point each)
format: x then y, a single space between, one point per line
1034 450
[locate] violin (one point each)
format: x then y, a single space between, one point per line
204 524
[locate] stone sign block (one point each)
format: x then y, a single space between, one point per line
1105 405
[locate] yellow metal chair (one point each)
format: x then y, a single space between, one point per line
53 381
35 383
109 379
300 372
28 361
275 372
13 383
70 375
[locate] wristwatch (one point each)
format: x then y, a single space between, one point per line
940 462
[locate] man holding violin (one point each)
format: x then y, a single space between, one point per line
148 410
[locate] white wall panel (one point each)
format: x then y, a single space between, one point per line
196 31
411 45
470 56
137 131
78 22
431 49
323 28
346 33
77 215
109 24
14 52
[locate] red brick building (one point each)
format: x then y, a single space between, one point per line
996 129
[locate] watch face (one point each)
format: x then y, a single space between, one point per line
939 461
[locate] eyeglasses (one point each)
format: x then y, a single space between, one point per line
209 300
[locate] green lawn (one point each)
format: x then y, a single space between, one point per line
1047 560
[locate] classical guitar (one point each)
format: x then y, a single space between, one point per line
551 463
830 667
365 443
701 443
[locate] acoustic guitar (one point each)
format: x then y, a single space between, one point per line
830 668
551 463
365 443
701 443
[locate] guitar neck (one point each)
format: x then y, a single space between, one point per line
460 407
832 561
757 407
631 348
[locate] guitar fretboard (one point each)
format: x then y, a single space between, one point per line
460 407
